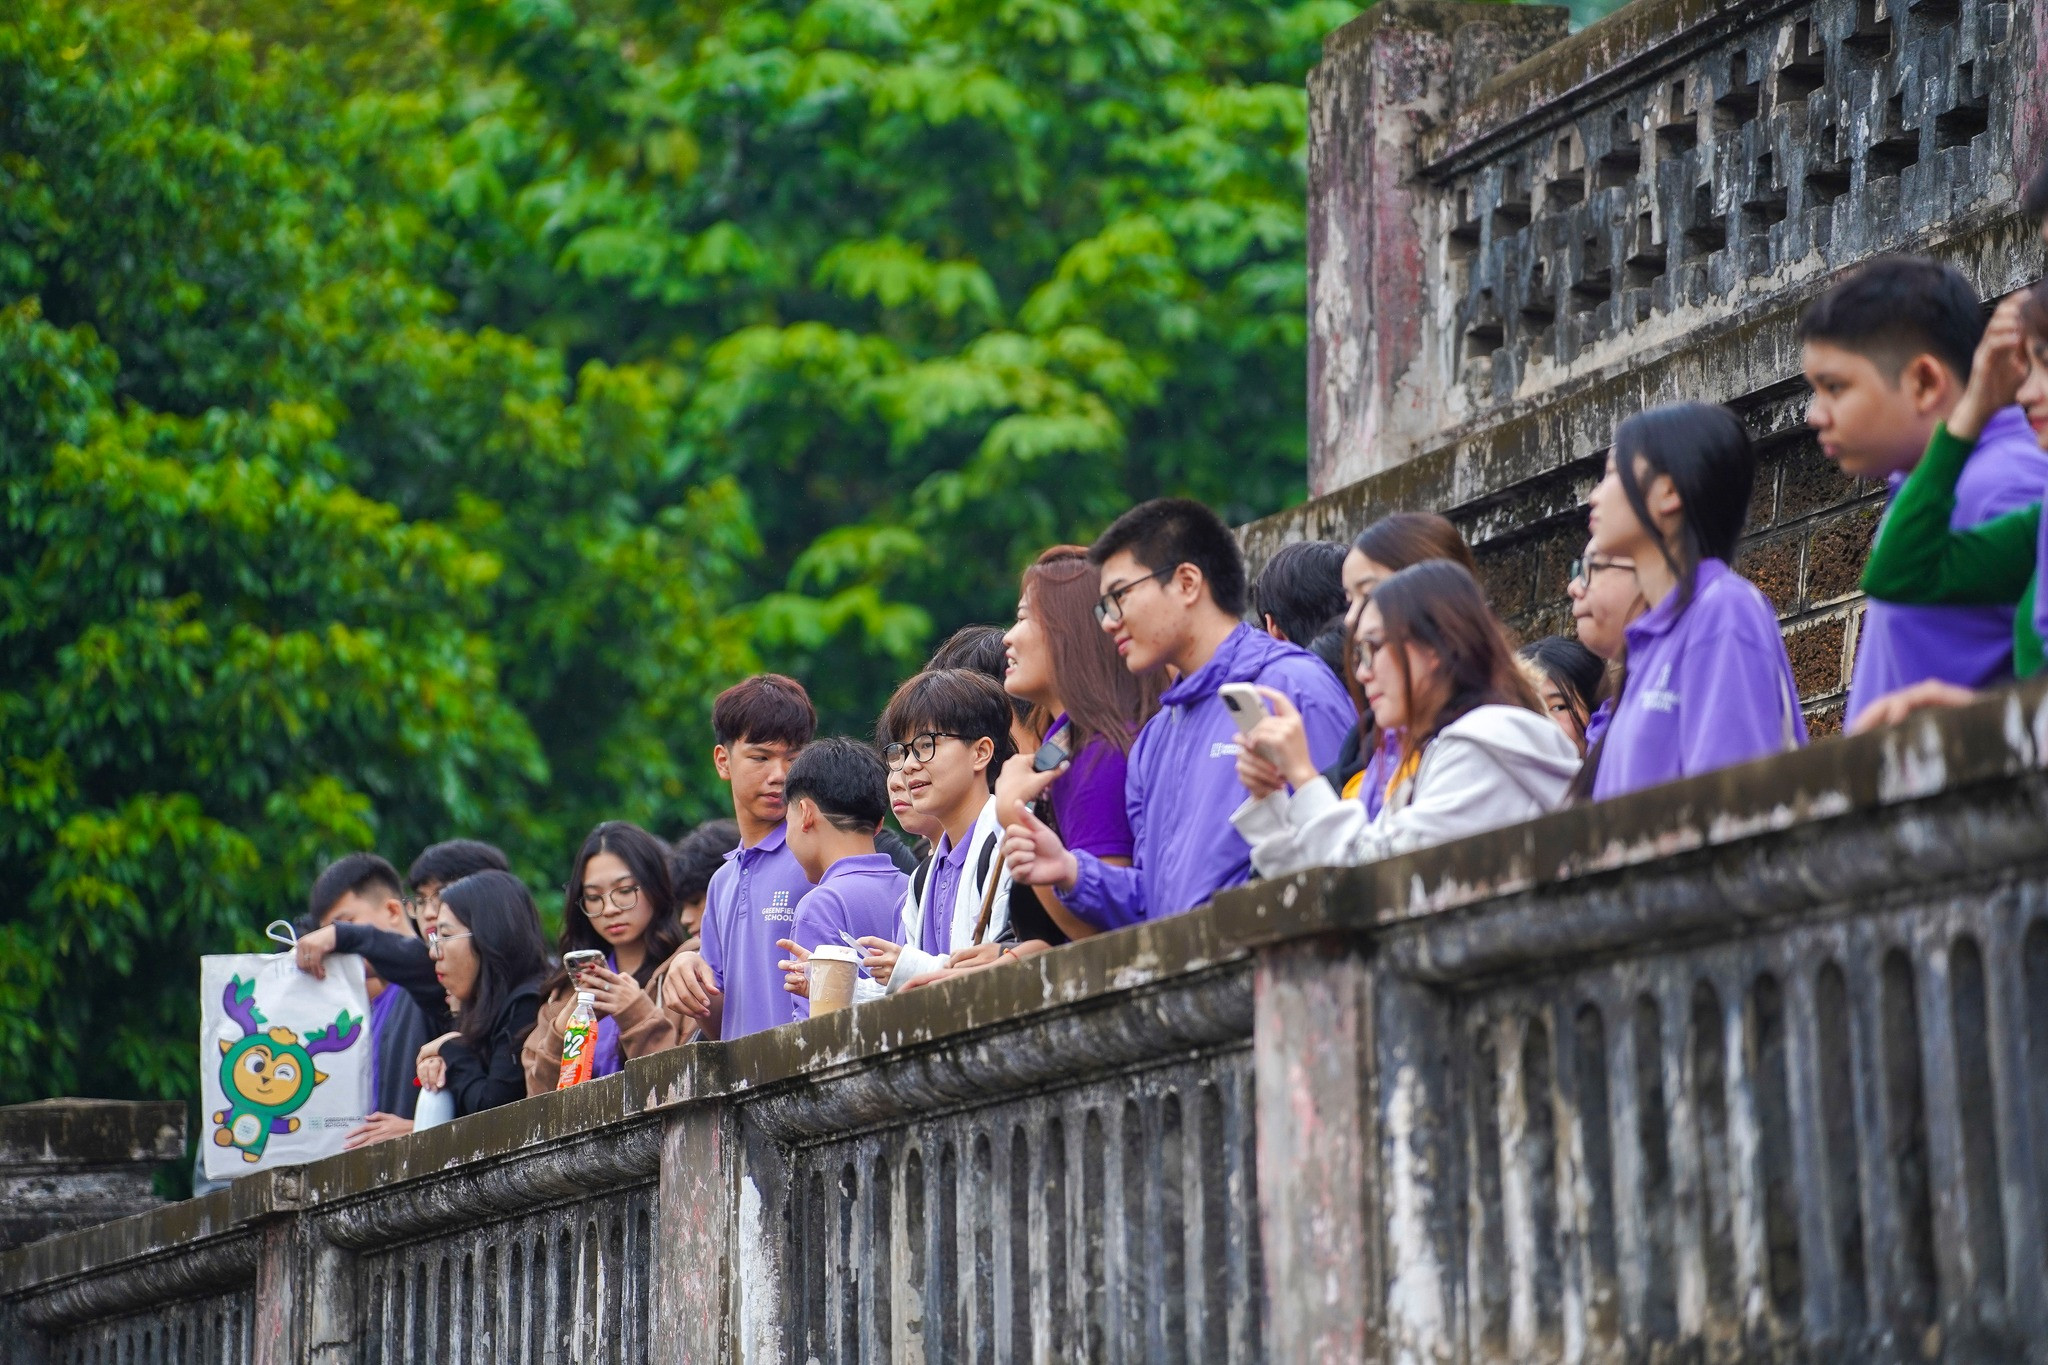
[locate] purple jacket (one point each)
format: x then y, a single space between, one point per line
1182 783
1899 645
861 896
750 903
1707 687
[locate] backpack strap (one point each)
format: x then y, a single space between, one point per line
917 881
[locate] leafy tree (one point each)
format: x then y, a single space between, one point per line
413 411
288 564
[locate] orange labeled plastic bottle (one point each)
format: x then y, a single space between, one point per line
579 1042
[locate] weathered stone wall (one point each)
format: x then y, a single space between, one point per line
1753 1066
1633 216
70 1163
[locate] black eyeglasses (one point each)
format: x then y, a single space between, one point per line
1110 606
921 747
624 897
1584 569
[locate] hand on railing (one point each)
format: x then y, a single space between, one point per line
1893 707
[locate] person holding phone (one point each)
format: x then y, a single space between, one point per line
1171 580
1476 750
619 923
1059 660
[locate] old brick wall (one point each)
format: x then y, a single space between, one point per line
1636 215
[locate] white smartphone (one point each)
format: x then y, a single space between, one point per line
1245 705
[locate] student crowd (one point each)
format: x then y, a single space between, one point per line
1081 771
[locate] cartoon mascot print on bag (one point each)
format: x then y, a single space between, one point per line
269 1074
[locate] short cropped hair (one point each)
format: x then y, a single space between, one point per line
764 709
358 873
1167 532
952 701
453 859
1894 308
846 780
980 648
1301 588
696 857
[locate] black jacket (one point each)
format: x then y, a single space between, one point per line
403 961
498 1076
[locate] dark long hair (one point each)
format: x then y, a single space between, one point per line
504 933
1708 457
646 857
1575 671
1710 461
1438 605
1104 700
1400 541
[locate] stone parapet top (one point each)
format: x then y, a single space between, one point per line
69 1133
1605 56
1476 905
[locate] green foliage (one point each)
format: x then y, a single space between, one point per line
413 411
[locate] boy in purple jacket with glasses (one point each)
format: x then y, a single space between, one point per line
1173 595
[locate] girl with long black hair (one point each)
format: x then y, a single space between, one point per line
618 901
488 958
1707 682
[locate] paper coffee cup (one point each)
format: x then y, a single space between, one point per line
832 970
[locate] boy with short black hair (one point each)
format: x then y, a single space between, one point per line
947 731
1173 593
448 862
361 889
1300 590
733 982
1887 353
838 792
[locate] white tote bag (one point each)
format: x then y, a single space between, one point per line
284 1060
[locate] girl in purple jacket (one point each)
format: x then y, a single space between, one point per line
1707 682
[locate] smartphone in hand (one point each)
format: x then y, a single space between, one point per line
1247 708
580 961
1049 756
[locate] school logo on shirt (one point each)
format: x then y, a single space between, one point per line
779 908
1223 748
1659 696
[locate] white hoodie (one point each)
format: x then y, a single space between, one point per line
1495 765
913 961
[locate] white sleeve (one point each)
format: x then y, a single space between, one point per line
913 962
1460 790
1289 834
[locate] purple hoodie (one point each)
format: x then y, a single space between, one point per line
1899 645
751 903
1182 783
1707 687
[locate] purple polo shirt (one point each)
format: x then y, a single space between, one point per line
860 896
1708 686
1088 799
751 903
1899 645
937 934
1182 783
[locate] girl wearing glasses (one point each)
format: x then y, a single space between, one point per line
1475 753
489 956
1391 544
1605 598
619 902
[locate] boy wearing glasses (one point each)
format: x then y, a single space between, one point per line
1173 596
948 733
733 982
356 907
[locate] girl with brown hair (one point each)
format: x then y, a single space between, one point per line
1089 705
1475 750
